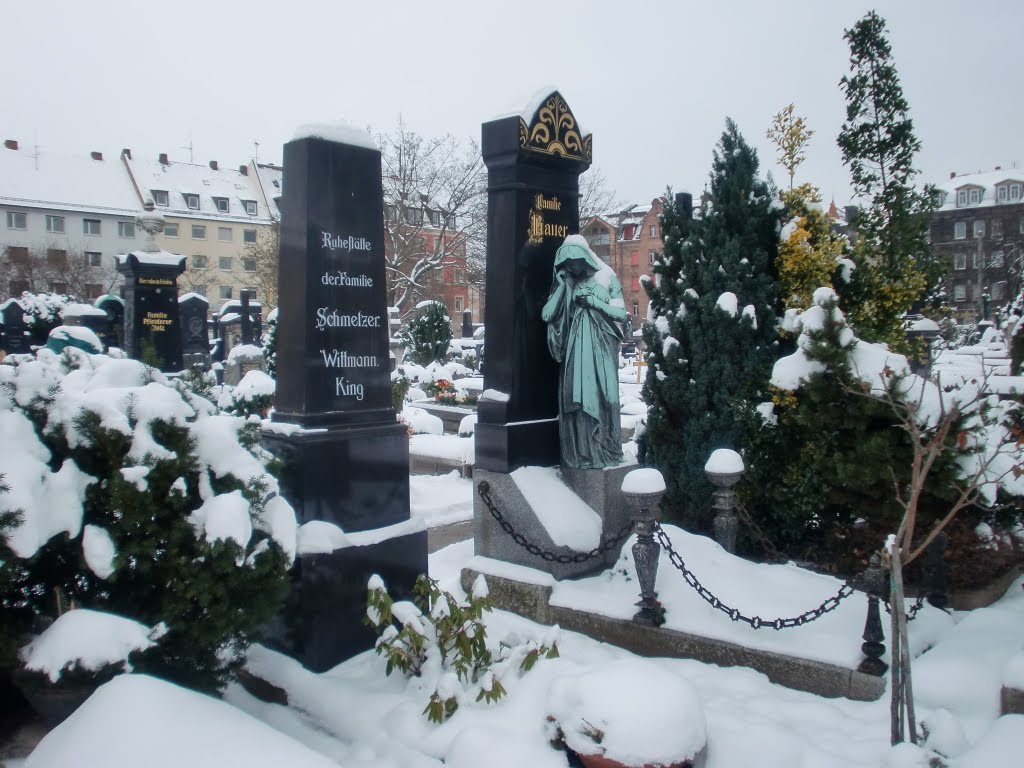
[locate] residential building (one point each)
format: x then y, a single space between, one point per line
215 217
638 245
63 219
979 228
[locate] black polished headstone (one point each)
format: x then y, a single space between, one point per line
114 307
16 339
151 314
195 338
533 169
348 464
467 324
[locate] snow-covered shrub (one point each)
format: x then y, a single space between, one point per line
428 336
399 389
253 396
269 342
43 313
444 641
139 499
9 518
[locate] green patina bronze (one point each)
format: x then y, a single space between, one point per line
583 314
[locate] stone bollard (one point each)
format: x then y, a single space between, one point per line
724 469
643 489
873 582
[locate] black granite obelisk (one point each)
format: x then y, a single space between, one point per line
533 169
345 455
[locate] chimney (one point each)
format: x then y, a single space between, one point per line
126 153
163 159
213 165
11 144
952 174
244 170
96 155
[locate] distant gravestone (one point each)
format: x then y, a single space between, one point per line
16 339
345 457
195 338
114 307
151 315
467 324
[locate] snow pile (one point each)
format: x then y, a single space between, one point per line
125 725
88 640
241 352
421 422
569 521
441 499
630 712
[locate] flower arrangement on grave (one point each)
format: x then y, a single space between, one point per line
443 391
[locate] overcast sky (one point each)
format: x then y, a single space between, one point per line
653 81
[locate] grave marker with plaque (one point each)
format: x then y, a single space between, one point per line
345 455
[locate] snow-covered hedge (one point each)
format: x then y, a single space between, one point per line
139 499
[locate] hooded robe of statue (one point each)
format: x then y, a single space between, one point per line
585 340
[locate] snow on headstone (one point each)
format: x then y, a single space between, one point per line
341 131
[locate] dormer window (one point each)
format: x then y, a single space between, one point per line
969 196
250 207
975 196
1008 192
221 203
160 197
961 198
192 202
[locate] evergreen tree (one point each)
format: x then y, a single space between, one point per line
895 268
428 336
711 341
809 251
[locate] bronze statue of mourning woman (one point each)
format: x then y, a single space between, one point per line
584 314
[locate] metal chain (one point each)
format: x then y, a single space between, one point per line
911 611
484 491
756 622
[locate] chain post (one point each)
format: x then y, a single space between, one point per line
723 500
873 580
644 514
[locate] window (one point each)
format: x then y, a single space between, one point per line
999 291
413 216
458 303
600 237
199 261
248 235
58 287
126 229
979 228
1015 190
18 254
961 198
997 260
56 257
159 197
975 196
16 220
198 231
93 290
249 265
997 227
434 217
960 261
960 230
224 234
627 232
93 259
91 226
225 291
636 284
170 230
959 293
192 202
636 309
18 287
200 289
224 262
634 258
652 256
221 203
1002 193
460 277
250 207
653 231
54 223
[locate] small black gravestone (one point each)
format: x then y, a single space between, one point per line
467 324
195 338
96 320
16 340
151 320
533 169
349 464
114 307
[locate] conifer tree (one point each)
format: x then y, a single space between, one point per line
809 251
711 338
895 267
428 336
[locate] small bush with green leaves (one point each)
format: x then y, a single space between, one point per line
436 637
428 336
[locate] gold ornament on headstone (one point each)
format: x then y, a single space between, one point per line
554 131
